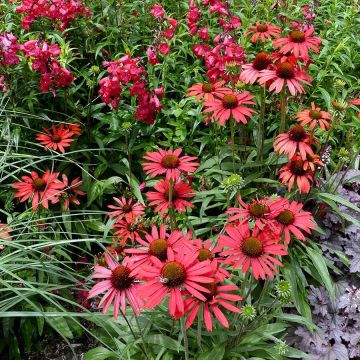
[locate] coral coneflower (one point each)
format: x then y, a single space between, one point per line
70 191
129 230
208 91
291 219
262 32
181 270
298 42
56 139
230 105
180 192
75 128
252 249
250 72
117 249
127 210
169 162
285 74
42 189
257 210
158 244
120 284
219 296
314 116
297 171
5 232
293 141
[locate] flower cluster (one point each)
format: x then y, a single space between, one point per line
8 49
43 57
60 12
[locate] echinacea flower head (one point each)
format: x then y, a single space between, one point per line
120 284
158 243
56 139
70 191
169 162
293 141
208 91
75 128
117 250
41 189
230 105
253 250
181 271
313 117
129 230
285 74
127 209
297 171
292 219
181 193
262 32
219 296
298 42
250 72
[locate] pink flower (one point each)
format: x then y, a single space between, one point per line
127 210
157 11
164 48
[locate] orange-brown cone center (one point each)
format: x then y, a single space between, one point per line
39 184
208 88
204 254
252 247
173 274
230 101
120 278
285 71
297 167
261 61
158 248
297 36
262 28
170 161
127 208
286 217
315 114
212 288
297 133
258 209
55 138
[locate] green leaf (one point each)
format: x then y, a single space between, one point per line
338 199
164 341
217 353
99 353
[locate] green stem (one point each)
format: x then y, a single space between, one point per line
142 336
171 206
232 129
186 343
129 158
260 152
283 110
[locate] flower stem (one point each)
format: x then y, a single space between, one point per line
283 110
186 343
232 129
129 158
171 206
260 148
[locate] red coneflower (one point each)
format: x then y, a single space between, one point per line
129 230
180 192
285 74
297 171
314 117
219 296
230 105
69 192
250 72
57 139
293 141
120 284
75 128
208 91
127 209
298 42
169 162
262 31
117 249
158 244
42 189
253 250
181 270
291 219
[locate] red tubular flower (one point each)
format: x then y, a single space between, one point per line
291 219
295 140
262 32
157 11
208 91
158 244
253 250
42 189
251 72
70 191
230 105
314 117
56 139
297 171
120 284
8 49
127 210
181 270
285 74
298 42
219 296
180 192
169 162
